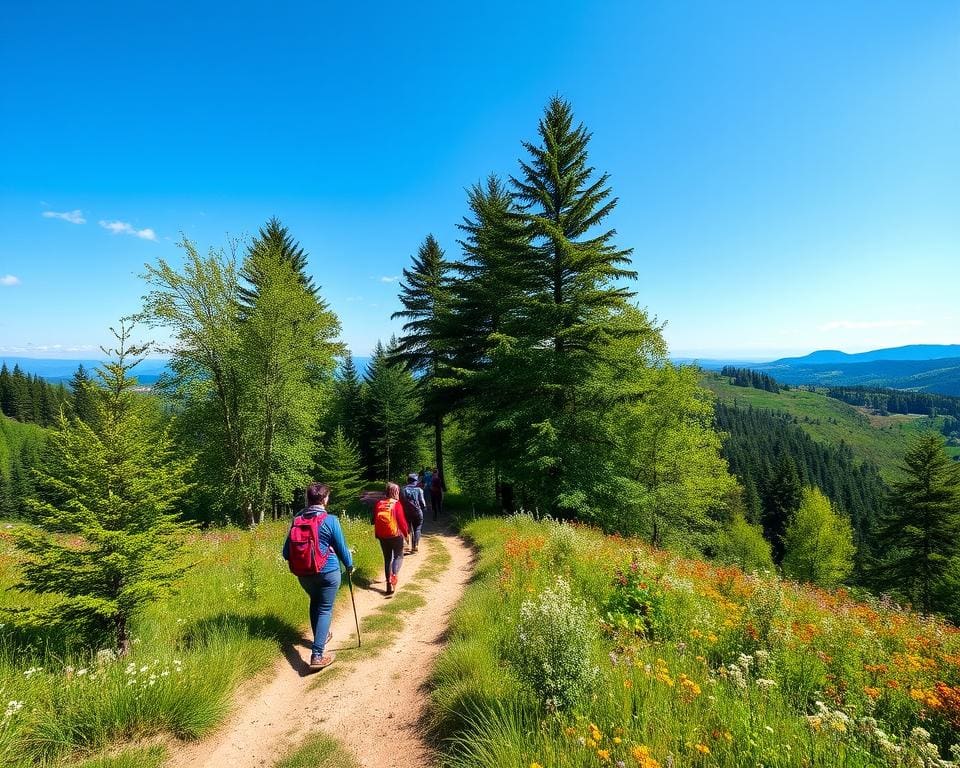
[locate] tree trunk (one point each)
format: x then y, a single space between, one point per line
438 445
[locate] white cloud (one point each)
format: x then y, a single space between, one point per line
9 280
860 325
386 279
74 217
35 349
125 228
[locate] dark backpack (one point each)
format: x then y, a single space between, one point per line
307 558
412 502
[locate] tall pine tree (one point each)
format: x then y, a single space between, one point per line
116 489
276 239
425 295
921 531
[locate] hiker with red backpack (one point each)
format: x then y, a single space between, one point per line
414 507
315 548
390 528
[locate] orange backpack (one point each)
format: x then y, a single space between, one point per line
384 523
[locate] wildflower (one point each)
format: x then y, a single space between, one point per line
873 693
535 765
617 740
604 754
766 684
628 684
703 749
12 708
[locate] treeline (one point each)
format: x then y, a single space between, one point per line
745 377
774 458
886 401
20 448
31 399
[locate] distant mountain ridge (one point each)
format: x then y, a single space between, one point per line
909 352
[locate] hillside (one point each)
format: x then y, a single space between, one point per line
653 660
879 439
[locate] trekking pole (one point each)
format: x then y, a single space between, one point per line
354 602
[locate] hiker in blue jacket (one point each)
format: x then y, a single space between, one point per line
414 507
322 587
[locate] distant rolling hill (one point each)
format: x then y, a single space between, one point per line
941 375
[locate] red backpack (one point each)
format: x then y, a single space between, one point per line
306 557
384 523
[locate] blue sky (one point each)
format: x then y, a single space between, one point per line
788 173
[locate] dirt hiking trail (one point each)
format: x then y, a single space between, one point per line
374 702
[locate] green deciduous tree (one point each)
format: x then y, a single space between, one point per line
249 387
742 544
818 542
114 488
920 534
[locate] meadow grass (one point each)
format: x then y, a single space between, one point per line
233 610
711 666
317 750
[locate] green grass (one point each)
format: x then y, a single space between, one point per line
881 440
318 750
234 610
669 694
146 757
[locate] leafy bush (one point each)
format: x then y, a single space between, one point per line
552 654
743 545
637 602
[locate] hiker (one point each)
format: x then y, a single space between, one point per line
390 528
437 488
427 476
315 548
415 508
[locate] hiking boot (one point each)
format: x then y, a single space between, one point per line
393 580
389 588
321 662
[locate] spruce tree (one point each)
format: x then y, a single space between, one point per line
425 295
392 411
781 499
114 488
574 314
6 391
920 533
84 396
339 466
347 411
273 237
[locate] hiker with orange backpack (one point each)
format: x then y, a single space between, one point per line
390 528
315 548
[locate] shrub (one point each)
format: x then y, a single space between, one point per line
552 653
743 545
637 602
